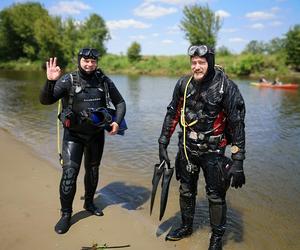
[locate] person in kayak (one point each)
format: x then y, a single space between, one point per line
84 94
211 112
276 81
263 80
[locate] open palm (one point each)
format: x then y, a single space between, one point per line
53 71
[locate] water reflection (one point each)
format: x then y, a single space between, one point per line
266 211
134 89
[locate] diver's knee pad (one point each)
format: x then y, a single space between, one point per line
68 179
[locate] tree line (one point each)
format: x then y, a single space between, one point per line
28 31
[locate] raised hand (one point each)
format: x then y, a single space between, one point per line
53 71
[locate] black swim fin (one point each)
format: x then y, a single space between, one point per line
167 176
158 171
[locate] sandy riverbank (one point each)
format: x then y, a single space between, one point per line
29 208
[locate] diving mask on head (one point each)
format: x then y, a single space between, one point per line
89 53
199 50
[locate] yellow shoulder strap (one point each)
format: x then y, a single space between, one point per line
59 108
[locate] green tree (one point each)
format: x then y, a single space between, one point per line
223 51
255 47
70 36
133 52
293 47
275 46
17 32
93 33
200 25
47 41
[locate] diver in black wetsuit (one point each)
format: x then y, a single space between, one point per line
84 95
211 113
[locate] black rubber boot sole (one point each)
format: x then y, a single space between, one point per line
179 234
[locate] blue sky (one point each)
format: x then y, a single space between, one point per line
154 23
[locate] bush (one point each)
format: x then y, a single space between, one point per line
247 64
133 52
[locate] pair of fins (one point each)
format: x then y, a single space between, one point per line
162 169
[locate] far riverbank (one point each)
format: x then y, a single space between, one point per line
240 66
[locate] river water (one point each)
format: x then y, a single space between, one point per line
264 214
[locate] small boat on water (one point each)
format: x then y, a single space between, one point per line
275 86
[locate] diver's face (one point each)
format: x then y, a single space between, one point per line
199 67
88 64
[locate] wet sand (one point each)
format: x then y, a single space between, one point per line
29 209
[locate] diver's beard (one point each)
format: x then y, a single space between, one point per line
197 78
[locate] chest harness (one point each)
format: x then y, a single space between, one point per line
194 135
100 117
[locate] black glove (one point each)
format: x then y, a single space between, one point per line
163 153
237 173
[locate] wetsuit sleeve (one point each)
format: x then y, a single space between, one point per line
173 114
234 107
117 101
54 90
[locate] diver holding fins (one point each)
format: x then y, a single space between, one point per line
211 111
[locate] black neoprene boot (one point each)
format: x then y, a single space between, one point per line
215 242
187 206
90 207
179 233
64 223
217 212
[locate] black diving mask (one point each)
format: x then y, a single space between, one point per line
89 53
199 50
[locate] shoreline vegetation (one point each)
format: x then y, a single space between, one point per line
251 66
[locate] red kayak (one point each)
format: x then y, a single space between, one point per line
275 86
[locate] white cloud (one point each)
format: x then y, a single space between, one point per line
167 41
155 34
222 13
259 15
229 30
68 7
138 37
257 26
126 23
237 40
152 11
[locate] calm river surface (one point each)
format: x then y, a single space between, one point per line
265 214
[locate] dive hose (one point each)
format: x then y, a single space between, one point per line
183 122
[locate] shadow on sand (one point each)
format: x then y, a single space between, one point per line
129 197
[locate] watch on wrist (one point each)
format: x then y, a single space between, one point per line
234 149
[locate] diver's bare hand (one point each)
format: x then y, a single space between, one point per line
114 128
53 71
